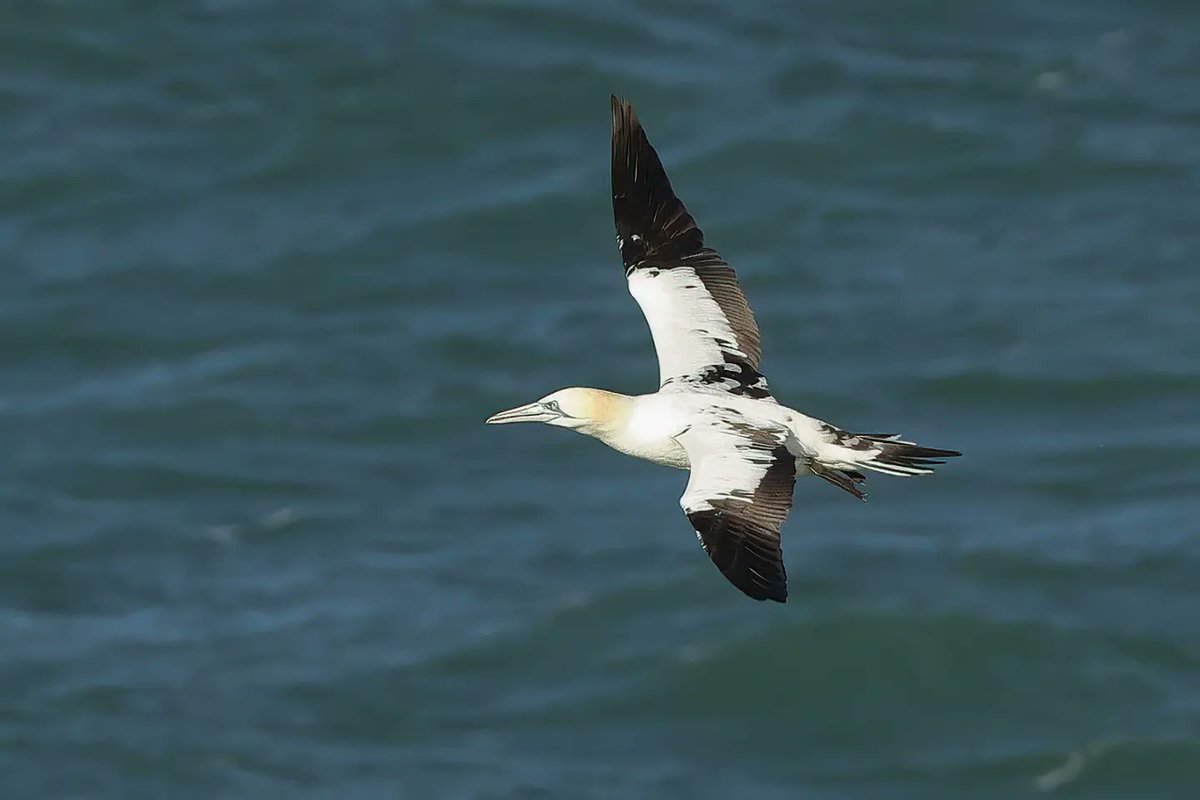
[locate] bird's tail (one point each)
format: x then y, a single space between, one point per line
845 454
891 455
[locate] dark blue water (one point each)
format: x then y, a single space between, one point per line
267 265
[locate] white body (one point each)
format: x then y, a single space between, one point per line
655 420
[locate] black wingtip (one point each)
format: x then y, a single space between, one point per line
625 128
776 593
746 553
650 219
624 116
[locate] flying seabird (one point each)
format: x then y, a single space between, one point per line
713 412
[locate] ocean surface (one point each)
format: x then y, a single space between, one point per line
266 266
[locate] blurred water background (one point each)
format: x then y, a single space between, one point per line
266 265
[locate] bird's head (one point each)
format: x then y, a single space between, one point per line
585 410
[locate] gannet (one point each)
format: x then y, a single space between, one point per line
713 412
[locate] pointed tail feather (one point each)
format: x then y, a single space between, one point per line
892 455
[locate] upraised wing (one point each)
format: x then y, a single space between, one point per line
738 495
704 331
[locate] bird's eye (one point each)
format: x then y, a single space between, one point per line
553 406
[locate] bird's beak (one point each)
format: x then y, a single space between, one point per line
533 412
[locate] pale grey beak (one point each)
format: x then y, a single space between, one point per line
533 412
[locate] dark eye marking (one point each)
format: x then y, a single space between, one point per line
553 406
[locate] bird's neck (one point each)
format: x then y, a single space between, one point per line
642 427
609 415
